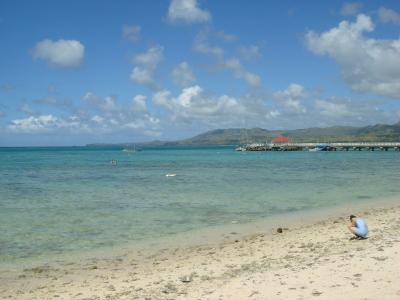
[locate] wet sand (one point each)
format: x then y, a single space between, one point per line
314 260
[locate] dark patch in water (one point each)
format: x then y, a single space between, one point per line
364 197
284 210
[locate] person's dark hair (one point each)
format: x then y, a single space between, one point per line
352 217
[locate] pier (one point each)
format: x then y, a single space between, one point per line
361 146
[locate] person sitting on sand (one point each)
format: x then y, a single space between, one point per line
358 227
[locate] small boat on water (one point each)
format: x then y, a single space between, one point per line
170 175
320 147
240 148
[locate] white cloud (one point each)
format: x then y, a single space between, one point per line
350 8
139 103
61 53
148 61
182 75
42 123
131 32
109 104
272 114
187 11
97 119
251 52
96 115
368 64
137 124
151 58
185 98
227 37
338 110
291 98
161 98
239 72
202 40
201 44
387 15
293 107
143 123
194 105
331 109
142 76
89 97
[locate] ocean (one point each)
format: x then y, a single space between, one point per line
57 200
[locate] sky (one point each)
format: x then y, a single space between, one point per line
78 72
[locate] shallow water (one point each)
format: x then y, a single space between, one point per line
58 200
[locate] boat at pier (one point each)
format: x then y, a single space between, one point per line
320 147
335 146
241 148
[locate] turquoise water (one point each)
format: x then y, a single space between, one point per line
56 200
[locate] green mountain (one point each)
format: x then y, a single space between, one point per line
378 133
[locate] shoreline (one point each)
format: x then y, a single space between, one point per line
191 271
209 235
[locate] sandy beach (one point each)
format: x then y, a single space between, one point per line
314 260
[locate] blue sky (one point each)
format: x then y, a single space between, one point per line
77 72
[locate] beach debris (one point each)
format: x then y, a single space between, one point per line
253 293
205 277
38 270
170 175
186 278
111 288
279 230
380 258
169 288
316 293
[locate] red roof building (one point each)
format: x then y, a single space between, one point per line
280 139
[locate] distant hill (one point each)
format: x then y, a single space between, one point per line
235 136
379 132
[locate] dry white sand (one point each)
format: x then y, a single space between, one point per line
304 262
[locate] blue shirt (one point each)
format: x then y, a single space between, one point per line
362 229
